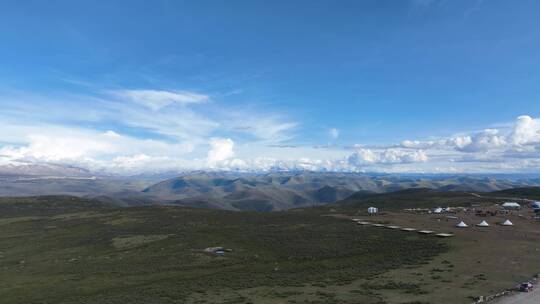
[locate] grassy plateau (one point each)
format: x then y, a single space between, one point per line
61 249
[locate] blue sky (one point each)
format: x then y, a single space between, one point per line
129 86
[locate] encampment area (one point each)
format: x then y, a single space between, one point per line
489 251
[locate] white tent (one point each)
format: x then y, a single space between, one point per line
507 223
511 205
462 225
483 224
438 210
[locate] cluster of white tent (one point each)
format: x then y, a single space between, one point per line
372 210
462 224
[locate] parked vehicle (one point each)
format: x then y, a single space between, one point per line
526 287
536 207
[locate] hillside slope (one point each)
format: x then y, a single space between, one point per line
521 192
409 198
256 192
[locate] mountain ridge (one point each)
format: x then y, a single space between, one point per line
270 191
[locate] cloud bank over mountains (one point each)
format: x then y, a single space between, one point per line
524 135
150 131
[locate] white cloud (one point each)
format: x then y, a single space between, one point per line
267 128
334 133
264 164
221 149
86 148
156 100
162 132
142 163
481 141
166 133
508 148
111 133
526 131
363 157
177 122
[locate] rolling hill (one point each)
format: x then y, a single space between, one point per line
238 191
280 191
254 192
522 192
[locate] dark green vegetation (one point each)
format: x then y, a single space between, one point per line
47 206
410 198
67 250
525 192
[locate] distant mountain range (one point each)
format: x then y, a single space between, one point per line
272 191
42 170
235 190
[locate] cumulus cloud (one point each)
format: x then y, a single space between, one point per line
221 149
363 157
156 100
94 150
482 141
526 131
265 164
513 148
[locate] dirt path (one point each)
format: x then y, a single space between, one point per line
522 298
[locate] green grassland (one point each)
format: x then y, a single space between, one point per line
69 250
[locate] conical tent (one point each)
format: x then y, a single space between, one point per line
483 224
462 225
507 223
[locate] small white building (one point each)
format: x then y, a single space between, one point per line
372 210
